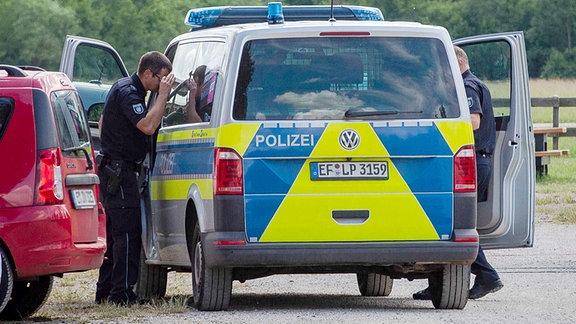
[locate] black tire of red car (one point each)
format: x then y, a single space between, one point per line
449 287
152 280
212 287
6 280
374 284
27 298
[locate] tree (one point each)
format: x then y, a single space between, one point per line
34 43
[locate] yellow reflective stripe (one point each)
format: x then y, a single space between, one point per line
186 135
237 136
386 223
456 133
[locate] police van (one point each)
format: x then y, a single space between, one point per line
331 141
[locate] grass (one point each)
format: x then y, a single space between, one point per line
555 192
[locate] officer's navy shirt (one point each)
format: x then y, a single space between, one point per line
125 106
480 101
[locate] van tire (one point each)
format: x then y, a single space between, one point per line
374 284
152 280
6 279
450 286
27 297
211 287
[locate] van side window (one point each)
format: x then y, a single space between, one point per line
201 61
345 78
70 121
6 108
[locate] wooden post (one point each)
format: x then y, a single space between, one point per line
555 119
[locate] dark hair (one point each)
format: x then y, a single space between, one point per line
155 62
199 74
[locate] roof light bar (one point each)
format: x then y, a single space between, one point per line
209 17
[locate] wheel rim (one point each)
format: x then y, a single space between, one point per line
197 265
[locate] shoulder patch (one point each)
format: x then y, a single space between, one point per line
470 102
138 108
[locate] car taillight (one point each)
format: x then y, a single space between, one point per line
49 187
465 169
228 175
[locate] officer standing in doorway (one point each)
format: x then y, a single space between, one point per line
125 127
479 98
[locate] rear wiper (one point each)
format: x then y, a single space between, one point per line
90 165
356 112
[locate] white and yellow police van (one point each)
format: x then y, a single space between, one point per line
339 145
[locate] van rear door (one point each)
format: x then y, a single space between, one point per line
506 219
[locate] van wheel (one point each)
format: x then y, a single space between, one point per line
152 280
450 287
212 287
27 298
6 280
374 284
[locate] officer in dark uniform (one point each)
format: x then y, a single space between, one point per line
479 99
125 127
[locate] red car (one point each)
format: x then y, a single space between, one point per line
51 221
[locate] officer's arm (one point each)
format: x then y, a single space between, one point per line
151 121
475 117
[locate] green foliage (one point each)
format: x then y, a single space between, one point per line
33 31
560 65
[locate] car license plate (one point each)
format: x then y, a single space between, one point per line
349 170
83 198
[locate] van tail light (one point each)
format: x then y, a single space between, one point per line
228 174
49 186
465 169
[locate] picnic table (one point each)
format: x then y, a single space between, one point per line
543 154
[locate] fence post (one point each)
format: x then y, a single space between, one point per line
555 119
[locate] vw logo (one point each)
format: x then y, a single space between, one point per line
349 139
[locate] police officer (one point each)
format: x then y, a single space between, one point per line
486 279
125 126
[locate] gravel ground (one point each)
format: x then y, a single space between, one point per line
540 286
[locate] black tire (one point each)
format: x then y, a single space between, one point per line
450 287
27 298
152 280
6 280
374 284
211 287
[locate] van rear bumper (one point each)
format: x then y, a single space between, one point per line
335 254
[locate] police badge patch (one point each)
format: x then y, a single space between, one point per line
470 102
138 108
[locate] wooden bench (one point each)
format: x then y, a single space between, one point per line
552 153
542 153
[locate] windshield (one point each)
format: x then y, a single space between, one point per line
337 78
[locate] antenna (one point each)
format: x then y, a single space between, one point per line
332 19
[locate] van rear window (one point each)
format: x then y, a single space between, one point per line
335 78
71 122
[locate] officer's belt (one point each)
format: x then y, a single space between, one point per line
125 165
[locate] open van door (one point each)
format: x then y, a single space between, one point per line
506 219
93 66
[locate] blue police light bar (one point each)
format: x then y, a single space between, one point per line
231 15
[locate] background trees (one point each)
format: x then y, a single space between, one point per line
33 31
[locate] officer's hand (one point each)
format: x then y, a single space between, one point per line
166 85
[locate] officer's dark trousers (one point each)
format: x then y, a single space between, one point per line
119 271
481 268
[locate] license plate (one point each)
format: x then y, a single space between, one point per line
349 170
83 198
